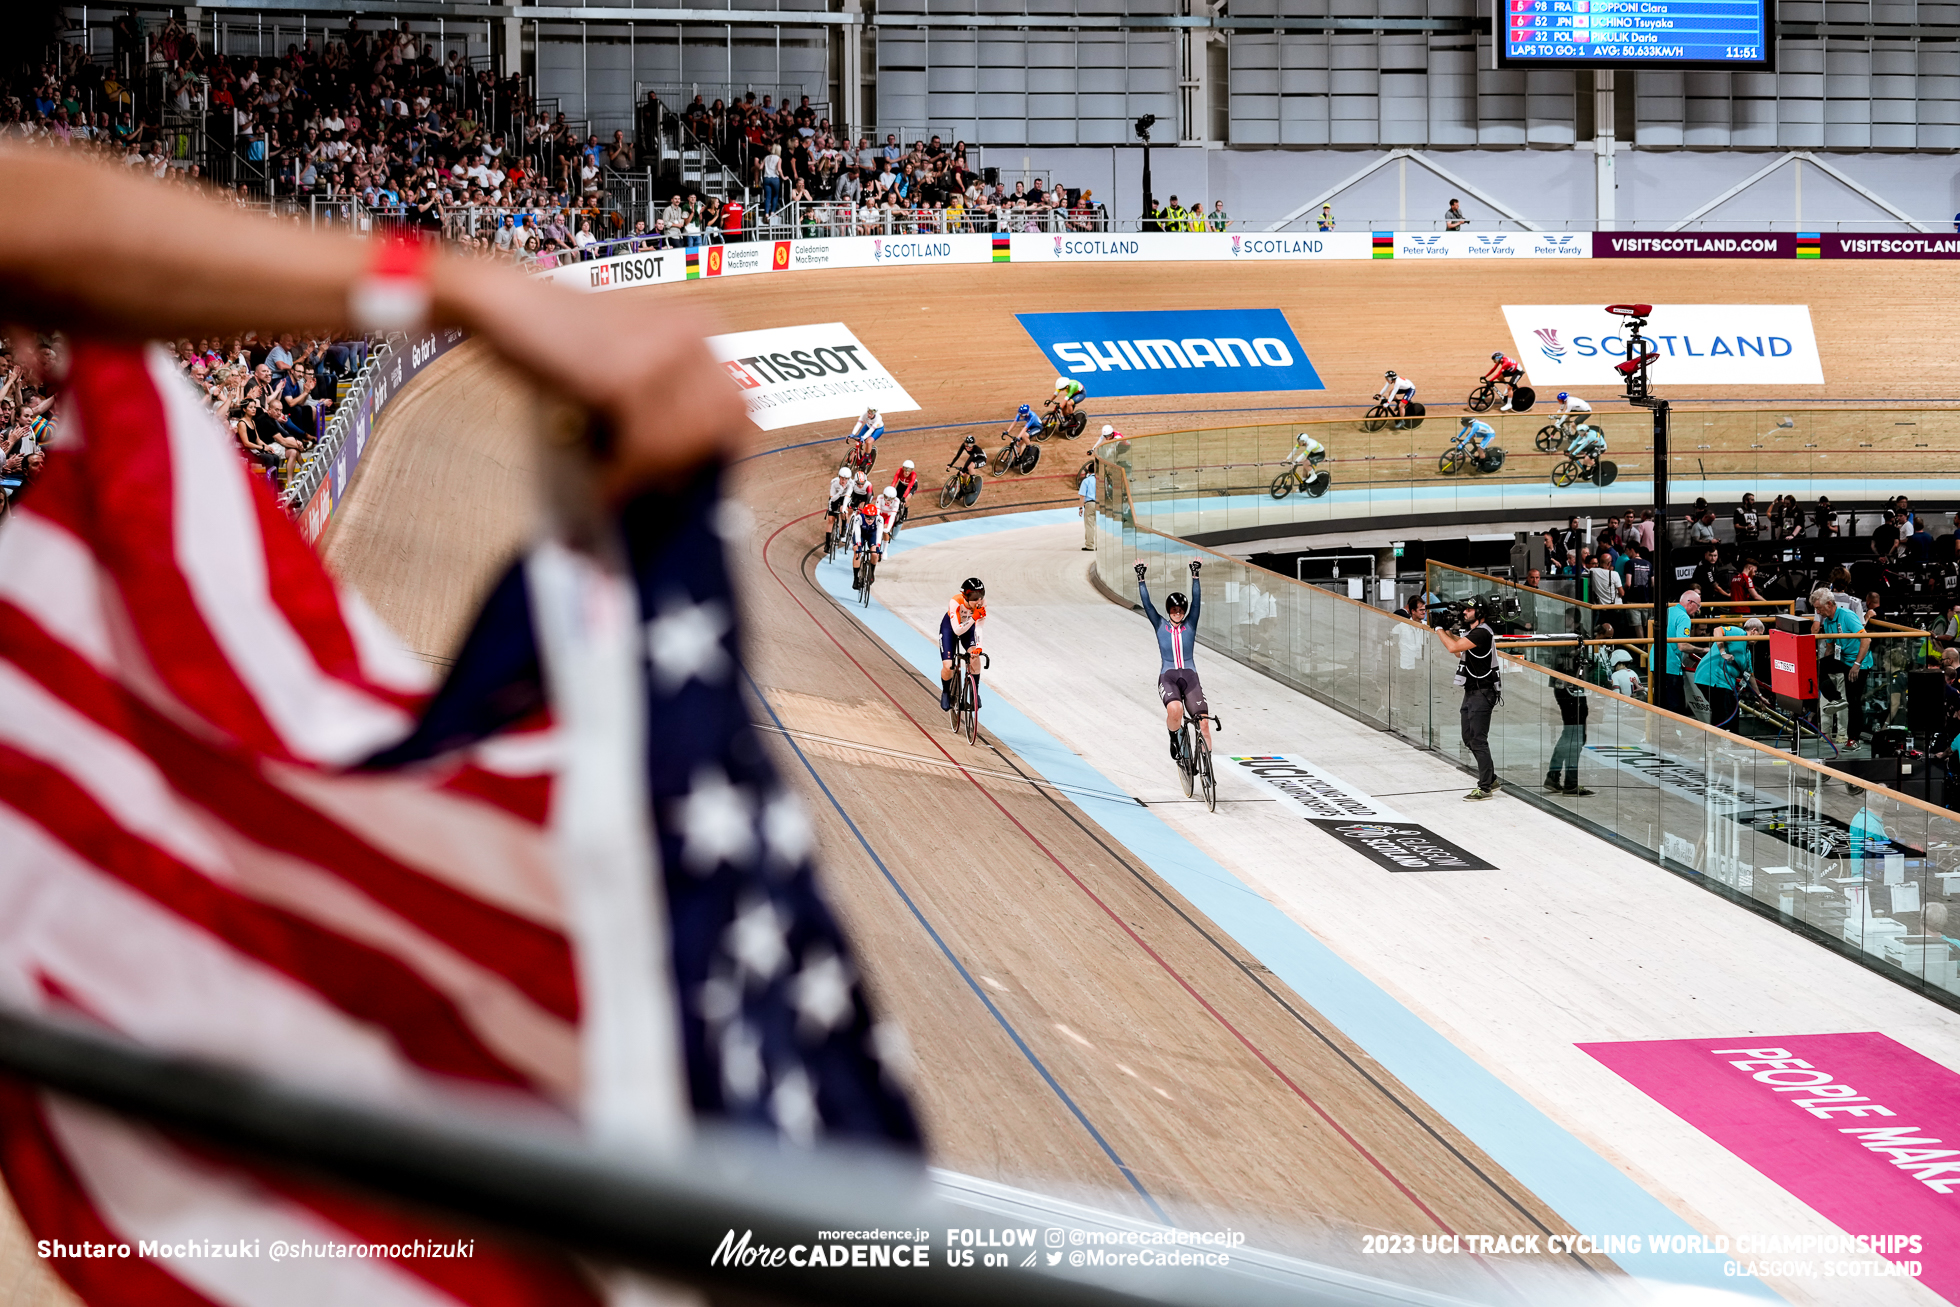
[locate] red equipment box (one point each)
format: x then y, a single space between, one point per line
1793 657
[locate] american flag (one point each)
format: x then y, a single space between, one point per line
236 822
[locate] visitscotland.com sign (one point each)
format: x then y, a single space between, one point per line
1182 352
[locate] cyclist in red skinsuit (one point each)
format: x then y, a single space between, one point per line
905 480
1506 372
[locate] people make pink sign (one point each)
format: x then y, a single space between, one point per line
1858 1126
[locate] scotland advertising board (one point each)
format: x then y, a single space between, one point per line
1698 344
1176 352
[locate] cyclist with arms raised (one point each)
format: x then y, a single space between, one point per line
1396 392
959 635
1506 372
1177 646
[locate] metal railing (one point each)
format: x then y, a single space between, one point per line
1866 870
318 463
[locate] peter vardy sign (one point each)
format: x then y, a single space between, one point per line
1699 344
1186 352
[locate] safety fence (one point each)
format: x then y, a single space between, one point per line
1869 872
1229 479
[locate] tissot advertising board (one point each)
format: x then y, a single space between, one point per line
792 375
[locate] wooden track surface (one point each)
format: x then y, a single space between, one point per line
1237 1103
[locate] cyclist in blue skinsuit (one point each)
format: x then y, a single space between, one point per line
1586 448
1177 646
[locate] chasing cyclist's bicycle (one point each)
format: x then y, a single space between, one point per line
864 453
963 486
1194 759
1054 424
1382 415
1007 459
1570 470
1460 455
862 574
966 696
1315 482
833 536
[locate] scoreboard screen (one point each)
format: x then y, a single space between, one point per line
1733 34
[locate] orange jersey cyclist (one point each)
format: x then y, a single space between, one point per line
959 632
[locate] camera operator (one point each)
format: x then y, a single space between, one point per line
1482 691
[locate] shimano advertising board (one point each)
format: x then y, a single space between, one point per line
1180 352
1698 344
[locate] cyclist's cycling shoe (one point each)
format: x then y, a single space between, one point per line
945 696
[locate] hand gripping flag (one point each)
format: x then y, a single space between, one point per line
234 823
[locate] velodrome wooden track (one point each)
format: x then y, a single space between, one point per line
1242 1105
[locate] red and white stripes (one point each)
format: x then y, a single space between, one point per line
181 862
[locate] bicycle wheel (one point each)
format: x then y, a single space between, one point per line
1547 440
870 457
1072 426
1207 782
1565 473
1481 398
1317 484
864 592
998 463
1047 428
830 542
949 490
1026 463
1283 484
1378 417
1187 760
970 711
1451 461
971 495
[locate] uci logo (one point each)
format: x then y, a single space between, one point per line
1548 343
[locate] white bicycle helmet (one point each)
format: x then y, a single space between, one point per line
843 471
1108 430
907 464
1061 383
1303 439
890 493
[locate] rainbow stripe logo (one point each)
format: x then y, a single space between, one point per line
1003 248
1384 244
693 263
1809 245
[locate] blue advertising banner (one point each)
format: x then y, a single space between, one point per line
1183 352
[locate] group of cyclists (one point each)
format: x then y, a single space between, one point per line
857 515
1584 442
869 520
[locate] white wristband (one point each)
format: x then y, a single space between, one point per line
379 305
